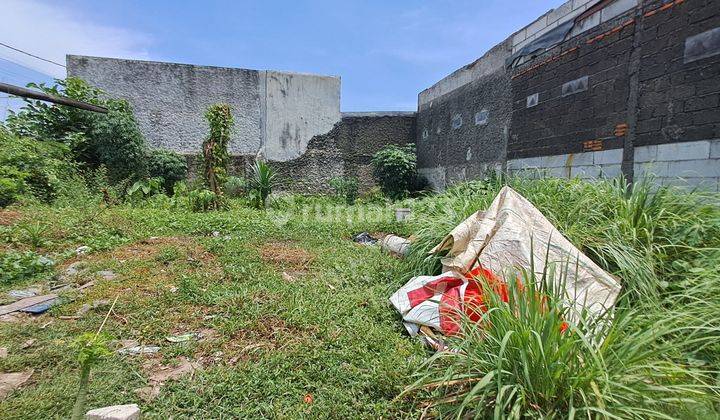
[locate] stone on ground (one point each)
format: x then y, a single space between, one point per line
115 412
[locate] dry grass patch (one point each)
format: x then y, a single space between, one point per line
286 257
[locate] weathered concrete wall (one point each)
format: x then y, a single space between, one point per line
598 89
169 100
347 150
275 112
298 107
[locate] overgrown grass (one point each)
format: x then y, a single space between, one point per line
327 331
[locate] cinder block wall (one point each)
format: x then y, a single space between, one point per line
631 86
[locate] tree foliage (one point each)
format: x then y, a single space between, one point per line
395 169
112 140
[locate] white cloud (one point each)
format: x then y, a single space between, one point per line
51 31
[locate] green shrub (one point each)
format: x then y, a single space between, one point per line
215 153
202 200
395 170
236 186
169 166
262 181
345 188
145 188
112 140
17 266
34 168
11 189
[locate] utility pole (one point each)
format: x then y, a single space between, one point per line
33 94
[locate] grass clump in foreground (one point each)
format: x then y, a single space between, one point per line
659 356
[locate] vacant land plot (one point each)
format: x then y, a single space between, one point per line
278 313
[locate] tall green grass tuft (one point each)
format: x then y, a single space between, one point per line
660 354
520 361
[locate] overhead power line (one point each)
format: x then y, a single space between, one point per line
31 55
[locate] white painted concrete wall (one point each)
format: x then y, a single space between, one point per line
692 164
588 165
297 108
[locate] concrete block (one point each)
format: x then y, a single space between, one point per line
115 412
651 169
706 184
585 172
645 154
608 156
611 171
586 24
516 164
519 37
691 150
616 8
560 12
701 168
577 4
702 45
536 26
580 159
556 161
714 149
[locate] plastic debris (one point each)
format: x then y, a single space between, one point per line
41 307
364 238
287 277
182 337
3 352
131 347
22 294
11 381
395 245
115 412
27 303
82 250
493 243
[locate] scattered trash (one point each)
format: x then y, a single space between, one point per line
487 244
159 374
115 412
3 352
82 250
41 307
11 381
287 277
395 245
182 337
28 303
107 274
22 294
215 233
308 399
27 344
131 347
401 214
364 238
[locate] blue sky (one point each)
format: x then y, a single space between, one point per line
385 51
